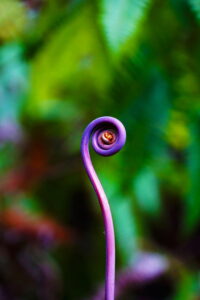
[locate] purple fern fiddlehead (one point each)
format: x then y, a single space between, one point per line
108 136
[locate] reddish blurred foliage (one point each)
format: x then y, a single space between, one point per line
33 167
26 269
33 4
38 228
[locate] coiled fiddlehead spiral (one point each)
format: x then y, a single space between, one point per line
108 137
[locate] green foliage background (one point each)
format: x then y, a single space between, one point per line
64 63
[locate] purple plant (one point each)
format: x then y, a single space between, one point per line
108 137
146 268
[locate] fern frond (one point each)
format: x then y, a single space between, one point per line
121 20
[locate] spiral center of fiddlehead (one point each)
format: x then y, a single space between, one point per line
108 137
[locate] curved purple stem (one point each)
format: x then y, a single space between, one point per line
108 137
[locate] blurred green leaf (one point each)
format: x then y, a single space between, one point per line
187 287
29 205
13 81
146 189
192 209
195 5
71 62
8 158
13 19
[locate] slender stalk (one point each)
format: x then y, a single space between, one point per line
108 137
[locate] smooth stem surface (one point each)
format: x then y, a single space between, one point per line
107 217
108 136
